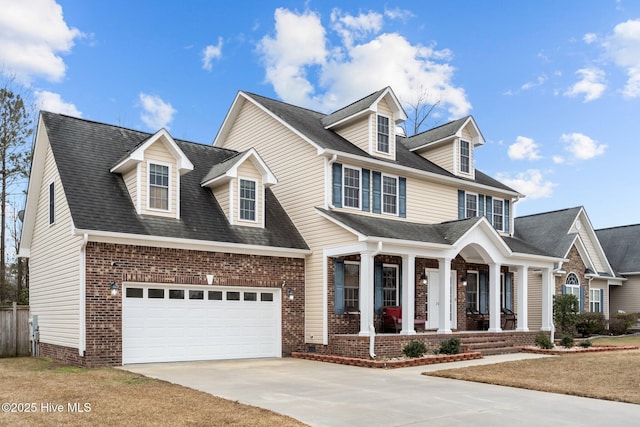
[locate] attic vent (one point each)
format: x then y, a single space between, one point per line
400 131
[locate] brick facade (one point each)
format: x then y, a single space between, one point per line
111 262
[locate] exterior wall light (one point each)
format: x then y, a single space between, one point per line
424 279
290 293
463 280
114 288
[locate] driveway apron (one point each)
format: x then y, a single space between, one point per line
324 394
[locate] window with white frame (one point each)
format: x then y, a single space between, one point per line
390 284
498 214
351 180
389 194
158 186
383 134
351 286
572 285
247 200
471 205
472 290
595 296
464 156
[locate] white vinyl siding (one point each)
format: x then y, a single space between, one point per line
590 245
300 188
603 287
356 132
442 156
54 281
383 110
431 202
131 181
627 296
534 299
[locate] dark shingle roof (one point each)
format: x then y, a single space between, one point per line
310 124
352 109
436 134
522 247
548 231
85 151
622 246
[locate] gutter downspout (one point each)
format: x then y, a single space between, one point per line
82 338
329 184
372 328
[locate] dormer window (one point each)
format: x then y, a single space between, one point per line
464 156
158 186
247 200
383 134
351 187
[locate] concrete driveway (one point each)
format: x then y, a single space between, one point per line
324 394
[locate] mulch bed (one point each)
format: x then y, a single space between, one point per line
389 364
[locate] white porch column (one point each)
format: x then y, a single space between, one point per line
494 298
548 285
444 294
408 294
366 292
522 304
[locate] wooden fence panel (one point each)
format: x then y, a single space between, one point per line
14 331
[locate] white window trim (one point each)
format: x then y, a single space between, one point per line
257 206
465 204
397 179
344 193
395 267
493 213
49 209
389 134
477 274
169 192
460 156
351 287
592 301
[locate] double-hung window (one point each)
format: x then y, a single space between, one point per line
471 205
389 195
351 285
594 300
390 284
498 214
351 182
464 156
472 290
247 200
158 186
383 134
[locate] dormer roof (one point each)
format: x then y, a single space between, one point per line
136 155
445 133
364 106
228 169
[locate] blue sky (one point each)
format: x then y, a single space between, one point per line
553 85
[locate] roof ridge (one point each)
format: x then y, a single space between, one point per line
618 226
439 126
549 212
355 102
284 103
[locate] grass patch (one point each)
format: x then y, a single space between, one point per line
619 340
609 375
116 397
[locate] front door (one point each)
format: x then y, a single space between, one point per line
433 299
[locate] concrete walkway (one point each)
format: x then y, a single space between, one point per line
325 394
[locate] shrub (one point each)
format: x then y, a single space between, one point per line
450 346
543 341
586 343
565 310
588 324
414 349
621 322
566 341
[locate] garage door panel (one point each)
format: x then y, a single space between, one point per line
166 329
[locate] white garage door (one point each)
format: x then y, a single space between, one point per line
168 324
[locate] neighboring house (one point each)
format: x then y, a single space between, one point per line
622 246
585 271
203 260
394 221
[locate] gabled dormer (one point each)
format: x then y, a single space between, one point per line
238 185
450 146
370 123
151 172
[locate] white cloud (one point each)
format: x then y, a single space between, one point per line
539 82
524 148
581 146
49 101
531 183
591 86
33 35
397 13
344 73
623 47
590 38
156 113
558 160
210 53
